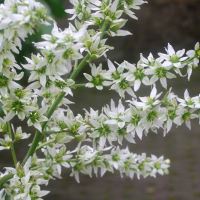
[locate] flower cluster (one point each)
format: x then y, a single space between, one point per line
97 12
92 143
118 122
18 19
128 78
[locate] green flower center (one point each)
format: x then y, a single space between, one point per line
97 80
104 130
152 116
17 106
116 75
34 116
124 84
139 74
190 102
6 62
129 2
172 114
82 11
198 53
41 14
60 84
78 167
50 58
174 59
3 81
74 129
122 2
161 72
115 157
157 165
42 70
135 119
186 116
68 54
19 93
141 166
122 132
150 101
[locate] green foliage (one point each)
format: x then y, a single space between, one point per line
57 7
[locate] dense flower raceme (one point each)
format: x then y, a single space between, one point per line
27 181
127 77
18 18
62 49
96 12
88 144
118 122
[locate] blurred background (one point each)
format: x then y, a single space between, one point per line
160 22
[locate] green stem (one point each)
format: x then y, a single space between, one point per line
80 67
80 85
104 28
38 135
4 179
51 110
12 148
54 106
44 144
58 100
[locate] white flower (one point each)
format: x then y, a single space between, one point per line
2 194
20 135
116 115
122 86
5 142
95 45
8 82
19 103
160 72
132 5
96 79
136 74
189 102
194 55
173 58
36 118
185 116
134 119
114 73
150 101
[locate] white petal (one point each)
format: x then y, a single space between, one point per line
137 85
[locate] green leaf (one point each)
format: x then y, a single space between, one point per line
56 7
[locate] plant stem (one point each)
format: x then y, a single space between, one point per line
4 179
104 28
80 85
51 110
38 135
80 67
60 97
54 106
58 100
44 144
12 148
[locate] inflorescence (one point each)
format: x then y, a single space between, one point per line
44 104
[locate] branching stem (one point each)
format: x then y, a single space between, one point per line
12 148
54 106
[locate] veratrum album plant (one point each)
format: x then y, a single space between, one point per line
44 103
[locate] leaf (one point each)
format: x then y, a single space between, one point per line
56 7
